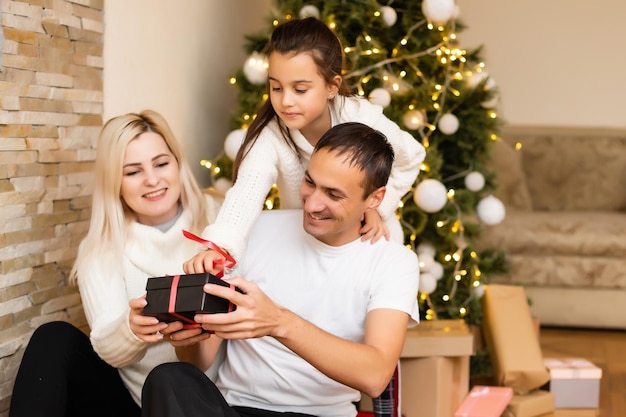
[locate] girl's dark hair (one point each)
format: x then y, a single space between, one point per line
308 35
364 148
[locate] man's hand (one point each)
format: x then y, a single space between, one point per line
256 315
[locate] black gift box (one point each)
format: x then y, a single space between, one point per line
180 297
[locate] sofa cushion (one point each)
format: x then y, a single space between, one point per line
559 233
506 163
574 171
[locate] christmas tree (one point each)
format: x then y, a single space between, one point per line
406 57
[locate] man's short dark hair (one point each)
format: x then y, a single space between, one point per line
364 148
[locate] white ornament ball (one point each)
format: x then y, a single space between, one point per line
233 142
476 78
490 210
491 83
489 104
428 283
380 96
309 11
426 249
426 262
436 270
413 119
448 124
474 181
438 11
389 15
255 68
478 292
222 184
430 195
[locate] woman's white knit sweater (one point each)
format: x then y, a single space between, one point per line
271 161
148 253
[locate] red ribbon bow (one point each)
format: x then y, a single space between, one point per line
227 262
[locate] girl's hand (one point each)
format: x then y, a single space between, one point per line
146 328
373 227
205 261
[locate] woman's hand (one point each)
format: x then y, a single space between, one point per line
373 227
146 328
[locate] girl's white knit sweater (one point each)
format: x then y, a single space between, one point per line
271 161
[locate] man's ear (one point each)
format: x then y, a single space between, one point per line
376 197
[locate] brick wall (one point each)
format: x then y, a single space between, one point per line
50 116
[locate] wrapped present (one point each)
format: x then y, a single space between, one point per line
434 369
575 382
181 297
535 403
511 339
485 401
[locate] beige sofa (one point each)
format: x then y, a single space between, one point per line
565 227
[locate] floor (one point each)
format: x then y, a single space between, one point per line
607 350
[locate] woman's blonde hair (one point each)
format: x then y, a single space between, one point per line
110 216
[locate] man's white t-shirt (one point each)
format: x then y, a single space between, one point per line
331 287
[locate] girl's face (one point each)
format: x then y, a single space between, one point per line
299 94
150 179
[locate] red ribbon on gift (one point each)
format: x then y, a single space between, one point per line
187 322
227 262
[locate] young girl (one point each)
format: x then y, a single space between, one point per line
144 196
307 97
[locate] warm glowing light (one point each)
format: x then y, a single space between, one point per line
232 80
446 297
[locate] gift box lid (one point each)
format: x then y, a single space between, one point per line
572 368
485 401
438 338
191 280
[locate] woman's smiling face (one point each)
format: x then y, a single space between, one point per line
150 179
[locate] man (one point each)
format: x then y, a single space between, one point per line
322 316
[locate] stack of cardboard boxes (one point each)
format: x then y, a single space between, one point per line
538 386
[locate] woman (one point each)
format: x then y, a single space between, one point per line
144 196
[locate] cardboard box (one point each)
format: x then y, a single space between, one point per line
434 369
180 297
485 401
512 340
575 382
533 404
